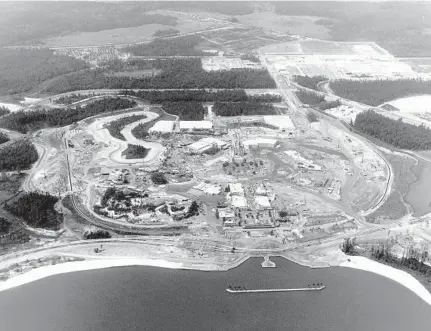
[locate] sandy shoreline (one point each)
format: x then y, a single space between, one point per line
356 262
62 268
399 276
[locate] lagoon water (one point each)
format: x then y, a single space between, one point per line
149 298
419 195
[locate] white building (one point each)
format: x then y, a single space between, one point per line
206 144
262 202
195 125
162 126
260 143
282 122
236 188
239 201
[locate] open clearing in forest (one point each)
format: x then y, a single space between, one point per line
297 25
322 47
413 104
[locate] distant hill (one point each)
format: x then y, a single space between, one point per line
403 28
29 22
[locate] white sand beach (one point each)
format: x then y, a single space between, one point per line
401 277
62 268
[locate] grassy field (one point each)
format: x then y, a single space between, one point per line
297 25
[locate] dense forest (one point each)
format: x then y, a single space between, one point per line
309 98
55 18
18 155
23 122
202 95
400 27
116 126
377 92
3 138
133 64
159 178
243 108
4 111
396 133
185 46
310 82
187 104
22 69
135 152
186 111
97 234
4 226
316 100
396 26
176 74
37 210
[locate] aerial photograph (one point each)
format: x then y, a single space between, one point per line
215 165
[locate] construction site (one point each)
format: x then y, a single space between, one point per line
342 60
274 176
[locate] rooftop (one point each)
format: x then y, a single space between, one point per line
186 125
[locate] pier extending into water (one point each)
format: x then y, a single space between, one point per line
230 290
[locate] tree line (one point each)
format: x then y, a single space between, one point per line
176 74
412 258
377 92
310 82
97 234
243 108
186 111
18 155
24 122
201 95
165 33
316 100
37 210
116 126
72 98
183 46
135 152
394 132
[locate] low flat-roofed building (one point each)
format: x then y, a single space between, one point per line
239 201
283 122
262 202
236 188
162 126
206 144
195 125
200 147
208 188
225 213
260 143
